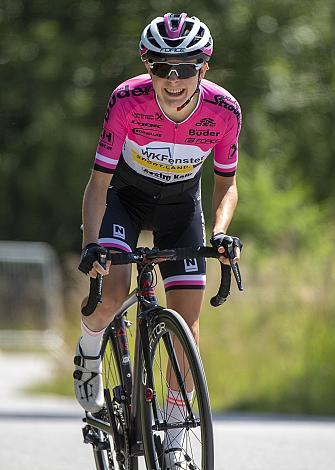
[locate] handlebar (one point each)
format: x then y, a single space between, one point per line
154 256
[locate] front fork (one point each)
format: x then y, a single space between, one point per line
147 375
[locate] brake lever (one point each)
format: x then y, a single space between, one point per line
237 274
234 266
102 259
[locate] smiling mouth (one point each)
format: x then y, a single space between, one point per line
174 92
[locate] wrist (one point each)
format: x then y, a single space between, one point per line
89 245
89 242
219 231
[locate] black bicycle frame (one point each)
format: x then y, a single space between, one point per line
129 392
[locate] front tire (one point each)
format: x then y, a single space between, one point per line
197 447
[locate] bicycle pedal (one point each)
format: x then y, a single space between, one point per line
101 414
91 437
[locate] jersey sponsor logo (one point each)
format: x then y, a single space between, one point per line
143 116
153 165
193 140
206 122
226 103
125 93
232 151
146 124
104 145
146 133
190 265
106 139
164 155
119 231
156 116
107 136
157 175
166 177
182 177
164 161
206 133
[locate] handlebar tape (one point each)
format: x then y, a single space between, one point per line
94 297
224 289
95 294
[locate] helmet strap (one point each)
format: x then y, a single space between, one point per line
179 108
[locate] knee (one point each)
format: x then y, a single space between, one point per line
110 305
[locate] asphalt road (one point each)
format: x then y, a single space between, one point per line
45 433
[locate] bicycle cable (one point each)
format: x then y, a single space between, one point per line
154 277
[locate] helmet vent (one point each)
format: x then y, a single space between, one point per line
172 42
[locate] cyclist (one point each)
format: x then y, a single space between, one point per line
158 130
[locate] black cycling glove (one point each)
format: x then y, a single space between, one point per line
228 243
89 254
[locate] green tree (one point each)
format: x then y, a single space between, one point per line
59 66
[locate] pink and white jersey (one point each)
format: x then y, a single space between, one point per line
156 147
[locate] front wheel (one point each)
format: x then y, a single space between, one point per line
176 417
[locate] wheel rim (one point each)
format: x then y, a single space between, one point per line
189 437
111 381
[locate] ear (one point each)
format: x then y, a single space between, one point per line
204 69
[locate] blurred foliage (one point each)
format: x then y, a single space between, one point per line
59 65
276 342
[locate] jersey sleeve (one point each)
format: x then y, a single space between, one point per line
226 151
112 137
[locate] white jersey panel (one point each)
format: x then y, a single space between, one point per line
163 161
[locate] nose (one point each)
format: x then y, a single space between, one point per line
173 76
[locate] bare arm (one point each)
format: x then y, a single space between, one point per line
223 206
224 202
94 205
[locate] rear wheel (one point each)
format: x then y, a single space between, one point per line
113 452
180 419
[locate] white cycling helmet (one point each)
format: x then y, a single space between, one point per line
177 36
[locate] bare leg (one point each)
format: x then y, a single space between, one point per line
187 302
115 289
87 375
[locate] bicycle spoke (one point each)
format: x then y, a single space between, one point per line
183 417
112 380
110 371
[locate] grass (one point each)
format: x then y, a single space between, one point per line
274 344
268 349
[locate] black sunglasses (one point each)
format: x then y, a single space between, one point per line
164 69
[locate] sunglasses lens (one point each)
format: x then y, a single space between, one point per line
163 70
187 70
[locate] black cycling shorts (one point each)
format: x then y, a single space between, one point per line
175 221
